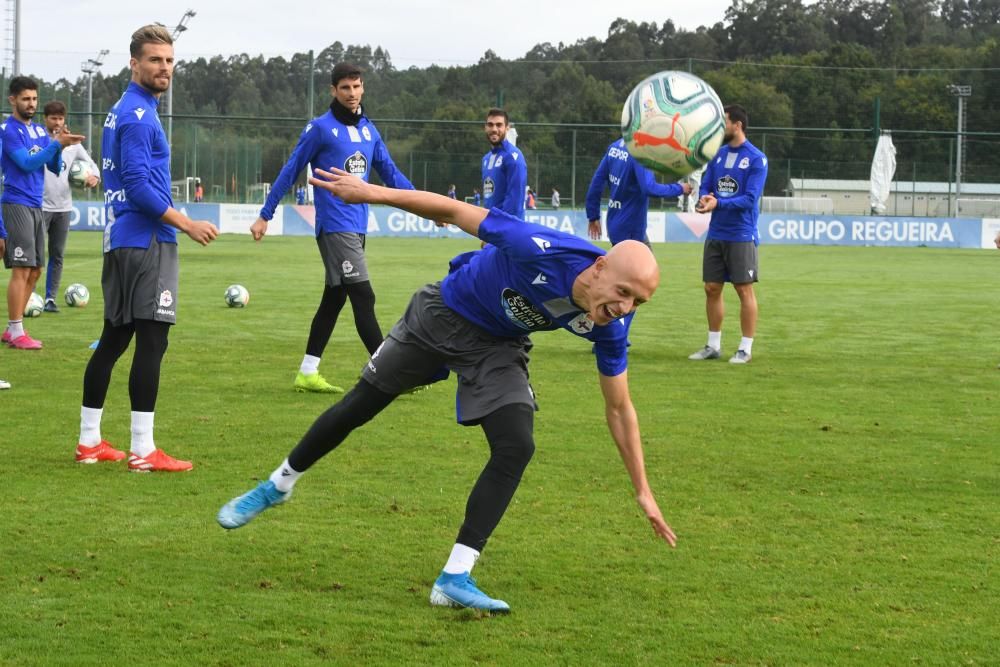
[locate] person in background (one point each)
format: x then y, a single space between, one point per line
57 200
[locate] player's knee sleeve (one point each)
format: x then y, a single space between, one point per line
362 295
332 301
356 408
512 444
151 338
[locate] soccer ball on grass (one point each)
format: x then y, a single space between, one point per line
77 295
35 305
237 296
673 123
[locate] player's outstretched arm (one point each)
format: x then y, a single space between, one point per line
429 205
624 426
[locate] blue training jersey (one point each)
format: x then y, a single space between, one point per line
523 282
505 178
736 177
135 169
27 149
325 143
630 187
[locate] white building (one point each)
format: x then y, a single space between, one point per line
910 198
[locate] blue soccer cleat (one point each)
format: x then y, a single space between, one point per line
240 510
459 590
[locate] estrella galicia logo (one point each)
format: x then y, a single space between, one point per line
522 312
356 164
727 186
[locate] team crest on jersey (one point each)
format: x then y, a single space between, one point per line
581 324
34 149
366 134
745 163
522 312
166 299
356 164
488 186
727 186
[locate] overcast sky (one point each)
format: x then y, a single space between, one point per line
57 37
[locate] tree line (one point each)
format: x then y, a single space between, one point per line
811 77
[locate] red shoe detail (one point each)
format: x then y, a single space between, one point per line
25 342
157 461
103 451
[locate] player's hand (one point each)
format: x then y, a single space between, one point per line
594 229
439 224
996 241
350 188
686 188
258 229
202 231
92 181
67 139
660 527
706 204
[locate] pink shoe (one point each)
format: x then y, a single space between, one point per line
5 338
25 342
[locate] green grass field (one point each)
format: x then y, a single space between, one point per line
835 501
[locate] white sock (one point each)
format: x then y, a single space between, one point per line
462 559
746 344
142 434
285 476
90 426
310 365
15 328
715 340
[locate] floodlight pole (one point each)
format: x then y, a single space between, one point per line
88 67
961 92
178 29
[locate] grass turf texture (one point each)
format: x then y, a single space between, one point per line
835 500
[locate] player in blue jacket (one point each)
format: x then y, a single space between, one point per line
731 188
630 187
26 152
504 171
343 138
139 279
476 323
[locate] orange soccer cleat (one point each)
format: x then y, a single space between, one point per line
102 451
157 461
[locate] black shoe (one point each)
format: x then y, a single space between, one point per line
50 306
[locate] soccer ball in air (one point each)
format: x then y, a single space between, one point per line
35 306
77 295
237 296
79 172
673 123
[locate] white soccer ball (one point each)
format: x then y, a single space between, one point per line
35 305
77 295
79 172
237 296
673 123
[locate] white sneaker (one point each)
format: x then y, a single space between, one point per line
741 357
707 352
